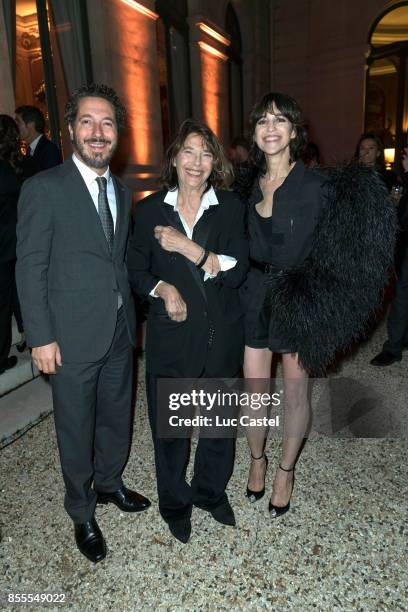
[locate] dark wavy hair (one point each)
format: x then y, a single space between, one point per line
289 109
380 161
9 141
221 175
95 90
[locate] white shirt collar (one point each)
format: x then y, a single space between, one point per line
87 173
208 199
33 144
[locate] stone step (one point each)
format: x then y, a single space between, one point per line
24 406
22 373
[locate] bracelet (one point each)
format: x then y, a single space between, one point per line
200 259
204 259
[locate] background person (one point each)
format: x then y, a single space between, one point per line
10 183
14 169
397 323
238 151
370 153
31 123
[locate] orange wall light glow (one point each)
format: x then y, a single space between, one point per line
135 41
213 85
213 33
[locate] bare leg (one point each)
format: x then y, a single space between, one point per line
296 420
257 369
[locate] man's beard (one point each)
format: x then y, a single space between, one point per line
97 162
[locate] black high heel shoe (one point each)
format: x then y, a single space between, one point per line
276 511
254 496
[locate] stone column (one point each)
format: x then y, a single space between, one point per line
123 40
7 90
209 71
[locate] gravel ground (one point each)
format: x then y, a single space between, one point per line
342 546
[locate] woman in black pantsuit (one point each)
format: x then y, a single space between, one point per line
189 254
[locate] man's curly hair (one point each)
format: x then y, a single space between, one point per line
95 90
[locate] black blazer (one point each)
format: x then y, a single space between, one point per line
297 205
181 349
67 279
46 155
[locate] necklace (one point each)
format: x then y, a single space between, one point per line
273 178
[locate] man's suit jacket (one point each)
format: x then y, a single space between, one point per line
181 349
46 155
67 279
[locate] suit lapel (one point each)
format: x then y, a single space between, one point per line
202 229
173 219
80 195
38 148
120 213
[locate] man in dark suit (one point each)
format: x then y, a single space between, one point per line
31 124
189 254
78 310
397 323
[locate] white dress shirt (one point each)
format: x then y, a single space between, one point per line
209 199
32 145
90 177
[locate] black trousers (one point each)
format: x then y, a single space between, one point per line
92 411
6 307
397 324
212 467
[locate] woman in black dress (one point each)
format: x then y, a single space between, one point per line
284 200
320 250
13 171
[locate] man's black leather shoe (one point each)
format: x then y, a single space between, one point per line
125 499
224 514
181 529
90 540
385 358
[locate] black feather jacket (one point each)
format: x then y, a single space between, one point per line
324 303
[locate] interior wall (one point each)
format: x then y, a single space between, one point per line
320 59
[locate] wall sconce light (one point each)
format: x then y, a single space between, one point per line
213 33
141 9
389 156
212 51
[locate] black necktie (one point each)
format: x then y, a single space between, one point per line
104 210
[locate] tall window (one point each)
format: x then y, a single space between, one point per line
234 73
49 52
386 107
174 65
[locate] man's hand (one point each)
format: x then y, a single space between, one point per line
47 357
174 303
171 239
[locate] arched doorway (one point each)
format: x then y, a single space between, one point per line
386 100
